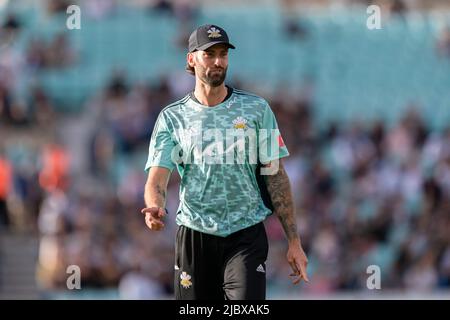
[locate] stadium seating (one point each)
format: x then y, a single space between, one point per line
357 71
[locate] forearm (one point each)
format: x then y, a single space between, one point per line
156 187
280 192
155 195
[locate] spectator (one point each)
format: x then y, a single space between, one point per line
443 43
6 176
59 54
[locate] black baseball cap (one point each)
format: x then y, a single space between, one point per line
206 36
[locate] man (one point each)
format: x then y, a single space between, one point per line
221 244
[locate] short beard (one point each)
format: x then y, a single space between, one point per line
214 81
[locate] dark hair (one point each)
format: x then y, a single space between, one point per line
190 69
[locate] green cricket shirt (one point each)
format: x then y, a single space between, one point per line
216 150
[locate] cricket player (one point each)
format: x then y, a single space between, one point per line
217 137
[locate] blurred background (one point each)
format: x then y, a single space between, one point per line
364 113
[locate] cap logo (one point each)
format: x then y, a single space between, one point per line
214 33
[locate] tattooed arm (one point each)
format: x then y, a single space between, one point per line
155 197
279 189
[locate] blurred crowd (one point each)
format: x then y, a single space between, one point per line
366 193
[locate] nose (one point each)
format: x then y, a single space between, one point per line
218 62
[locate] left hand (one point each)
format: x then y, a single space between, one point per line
298 261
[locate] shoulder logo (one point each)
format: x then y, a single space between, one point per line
214 33
280 141
185 280
240 123
156 154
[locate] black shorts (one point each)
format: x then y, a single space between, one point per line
209 267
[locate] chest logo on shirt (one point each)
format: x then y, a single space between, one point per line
240 123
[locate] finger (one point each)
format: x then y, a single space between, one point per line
153 223
148 210
302 271
153 212
152 216
304 275
294 267
156 226
161 212
297 278
156 222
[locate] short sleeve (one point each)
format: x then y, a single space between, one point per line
161 146
270 141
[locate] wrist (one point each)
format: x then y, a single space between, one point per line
154 205
294 242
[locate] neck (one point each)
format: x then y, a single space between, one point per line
209 96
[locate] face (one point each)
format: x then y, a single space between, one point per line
210 65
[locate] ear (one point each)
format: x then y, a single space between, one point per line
190 59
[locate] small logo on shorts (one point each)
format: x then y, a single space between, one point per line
185 280
261 269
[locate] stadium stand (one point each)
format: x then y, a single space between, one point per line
364 113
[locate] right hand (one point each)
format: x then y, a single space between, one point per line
153 217
298 261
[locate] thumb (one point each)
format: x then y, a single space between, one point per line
153 211
148 210
161 212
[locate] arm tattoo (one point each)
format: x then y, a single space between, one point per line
159 195
155 195
281 196
160 191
